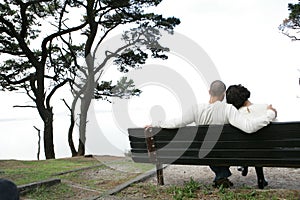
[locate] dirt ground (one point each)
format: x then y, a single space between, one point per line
118 169
278 178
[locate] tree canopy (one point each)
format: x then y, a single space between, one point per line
41 52
291 25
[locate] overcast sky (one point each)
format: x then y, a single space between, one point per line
243 40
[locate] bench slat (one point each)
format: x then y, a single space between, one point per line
236 135
278 144
226 144
222 162
226 153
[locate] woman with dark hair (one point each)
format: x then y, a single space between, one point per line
238 96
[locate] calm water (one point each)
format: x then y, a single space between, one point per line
19 139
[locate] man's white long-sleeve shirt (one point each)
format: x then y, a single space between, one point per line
218 113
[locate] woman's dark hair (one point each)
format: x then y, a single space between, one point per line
237 95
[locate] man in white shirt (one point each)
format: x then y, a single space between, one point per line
218 112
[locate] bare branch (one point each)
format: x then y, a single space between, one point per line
67 104
24 23
36 1
103 37
49 77
6 78
62 15
14 53
58 34
18 106
108 57
23 45
28 93
71 49
294 38
54 90
33 86
39 142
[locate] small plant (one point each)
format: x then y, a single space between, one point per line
188 191
222 190
232 195
60 191
128 153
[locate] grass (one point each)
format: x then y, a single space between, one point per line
24 172
61 191
77 184
87 183
195 190
258 194
187 191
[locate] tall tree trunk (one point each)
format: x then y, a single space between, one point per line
84 107
72 124
85 103
82 132
45 111
88 92
48 134
70 135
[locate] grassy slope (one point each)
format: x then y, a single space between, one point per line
108 173
93 182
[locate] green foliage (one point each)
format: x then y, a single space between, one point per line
41 53
294 13
291 25
22 23
232 195
187 191
24 172
123 89
61 191
130 59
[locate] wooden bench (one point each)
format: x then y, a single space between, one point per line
277 145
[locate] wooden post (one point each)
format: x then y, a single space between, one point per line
159 173
39 142
150 141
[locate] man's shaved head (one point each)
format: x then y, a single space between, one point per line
217 88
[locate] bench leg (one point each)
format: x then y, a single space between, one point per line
159 173
260 178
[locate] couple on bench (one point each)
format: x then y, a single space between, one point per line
237 111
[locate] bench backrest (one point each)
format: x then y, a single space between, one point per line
276 145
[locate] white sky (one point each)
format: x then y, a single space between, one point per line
243 41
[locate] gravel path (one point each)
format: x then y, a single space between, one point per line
278 178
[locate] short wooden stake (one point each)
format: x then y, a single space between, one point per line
159 173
